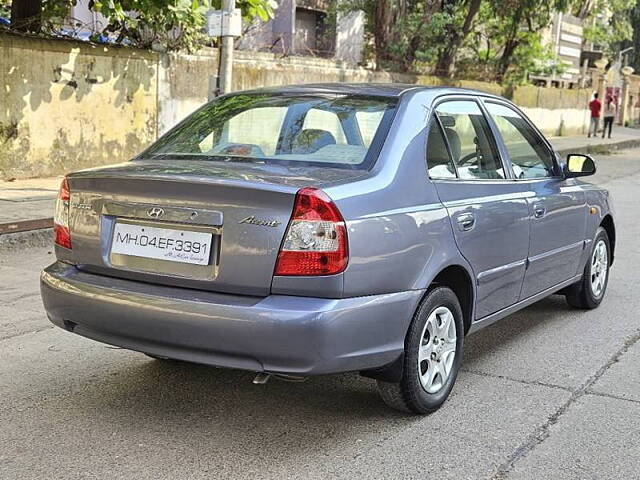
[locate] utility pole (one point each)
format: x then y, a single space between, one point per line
225 72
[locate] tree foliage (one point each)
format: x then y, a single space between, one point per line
610 23
5 8
164 24
490 39
635 40
169 24
517 29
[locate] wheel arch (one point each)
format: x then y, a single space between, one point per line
608 225
458 279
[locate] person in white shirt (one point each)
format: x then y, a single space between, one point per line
608 115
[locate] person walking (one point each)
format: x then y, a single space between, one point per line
595 106
608 115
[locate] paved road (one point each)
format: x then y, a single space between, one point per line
547 393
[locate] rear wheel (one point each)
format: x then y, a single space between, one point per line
433 354
589 291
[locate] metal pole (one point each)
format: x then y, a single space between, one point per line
226 51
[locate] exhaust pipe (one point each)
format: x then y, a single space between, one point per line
262 378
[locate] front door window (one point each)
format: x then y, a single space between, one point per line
530 157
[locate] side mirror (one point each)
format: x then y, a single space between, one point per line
579 165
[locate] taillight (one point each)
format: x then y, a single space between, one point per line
61 216
315 242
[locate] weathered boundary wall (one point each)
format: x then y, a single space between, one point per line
66 105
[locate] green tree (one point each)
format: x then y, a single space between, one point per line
610 23
456 32
518 24
404 32
484 52
635 41
5 8
170 24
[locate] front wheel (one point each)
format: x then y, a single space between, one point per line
589 291
432 358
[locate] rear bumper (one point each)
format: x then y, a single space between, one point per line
278 333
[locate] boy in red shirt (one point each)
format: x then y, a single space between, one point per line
595 106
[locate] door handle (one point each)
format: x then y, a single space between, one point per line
466 221
539 211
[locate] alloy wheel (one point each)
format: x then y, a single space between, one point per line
437 350
599 268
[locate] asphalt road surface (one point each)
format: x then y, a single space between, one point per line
549 392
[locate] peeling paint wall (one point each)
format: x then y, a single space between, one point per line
67 105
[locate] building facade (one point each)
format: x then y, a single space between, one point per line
565 38
305 27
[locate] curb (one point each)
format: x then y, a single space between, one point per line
10 242
602 149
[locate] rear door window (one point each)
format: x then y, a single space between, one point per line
470 140
439 161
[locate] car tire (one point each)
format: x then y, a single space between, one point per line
428 359
588 293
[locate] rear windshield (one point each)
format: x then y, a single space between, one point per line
336 131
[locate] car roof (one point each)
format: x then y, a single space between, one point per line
370 89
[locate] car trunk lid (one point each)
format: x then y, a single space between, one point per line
238 211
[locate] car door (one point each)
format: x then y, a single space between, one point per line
557 206
489 216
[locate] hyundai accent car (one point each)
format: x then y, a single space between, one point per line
317 229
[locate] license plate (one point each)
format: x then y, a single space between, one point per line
162 243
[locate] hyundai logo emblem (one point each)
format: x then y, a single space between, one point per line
155 212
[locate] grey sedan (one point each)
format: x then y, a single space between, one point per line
317 229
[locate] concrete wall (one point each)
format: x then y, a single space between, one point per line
350 36
555 111
632 107
68 105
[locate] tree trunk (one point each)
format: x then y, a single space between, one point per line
382 32
388 14
25 15
445 66
505 59
446 61
509 47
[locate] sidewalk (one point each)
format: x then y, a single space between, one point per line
622 138
27 199
27 205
